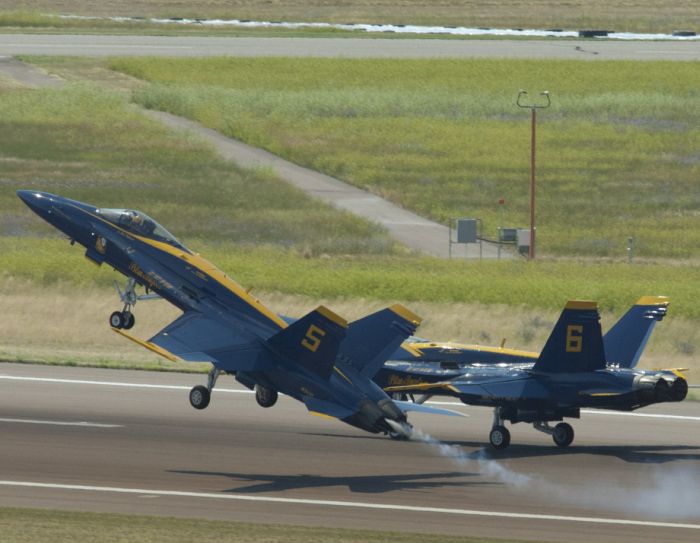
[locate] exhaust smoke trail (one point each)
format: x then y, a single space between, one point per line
478 459
672 492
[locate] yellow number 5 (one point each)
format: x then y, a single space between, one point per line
312 339
574 338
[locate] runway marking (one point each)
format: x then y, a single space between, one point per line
61 423
349 504
648 415
115 384
245 391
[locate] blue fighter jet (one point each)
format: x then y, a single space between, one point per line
571 372
624 342
321 359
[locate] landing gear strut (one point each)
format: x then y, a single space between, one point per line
499 435
125 318
200 396
562 433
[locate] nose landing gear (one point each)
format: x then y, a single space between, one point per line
125 318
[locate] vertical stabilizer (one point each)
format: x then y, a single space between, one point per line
312 341
576 343
370 341
625 341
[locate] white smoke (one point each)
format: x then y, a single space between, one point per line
671 492
478 459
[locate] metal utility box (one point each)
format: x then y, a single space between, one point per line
523 240
507 235
466 231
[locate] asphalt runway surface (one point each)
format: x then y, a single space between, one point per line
129 442
194 46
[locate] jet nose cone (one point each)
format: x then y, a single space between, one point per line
34 199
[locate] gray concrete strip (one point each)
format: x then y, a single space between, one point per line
200 46
414 231
26 74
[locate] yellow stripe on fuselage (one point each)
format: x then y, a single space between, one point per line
453 347
203 266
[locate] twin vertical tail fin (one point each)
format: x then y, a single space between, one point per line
625 341
576 343
370 341
312 341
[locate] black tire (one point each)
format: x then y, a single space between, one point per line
200 397
116 320
563 435
129 320
266 397
499 437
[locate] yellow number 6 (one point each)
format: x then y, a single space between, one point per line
574 338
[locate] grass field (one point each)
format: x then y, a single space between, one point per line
32 525
444 137
619 15
80 141
89 144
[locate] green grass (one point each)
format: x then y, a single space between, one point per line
541 284
31 525
444 137
88 144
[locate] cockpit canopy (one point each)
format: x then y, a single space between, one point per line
140 224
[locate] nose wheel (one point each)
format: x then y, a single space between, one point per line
122 319
125 318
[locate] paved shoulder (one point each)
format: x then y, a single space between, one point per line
412 230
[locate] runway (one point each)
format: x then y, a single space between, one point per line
198 46
126 441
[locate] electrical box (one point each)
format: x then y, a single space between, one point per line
507 235
466 231
523 240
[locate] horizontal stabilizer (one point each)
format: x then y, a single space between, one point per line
422 408
327 409
625 341
576 343
312 341
370 341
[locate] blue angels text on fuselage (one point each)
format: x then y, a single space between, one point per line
321 359
573 371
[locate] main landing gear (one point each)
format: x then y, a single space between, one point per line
200 396
125 318
499 437
562 433
265 396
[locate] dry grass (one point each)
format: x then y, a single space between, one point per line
619 15
63 325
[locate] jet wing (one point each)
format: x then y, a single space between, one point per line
197 338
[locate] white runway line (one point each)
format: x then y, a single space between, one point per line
115 384
245 391
61 423
357 505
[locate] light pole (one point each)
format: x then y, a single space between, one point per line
533 108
